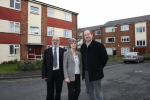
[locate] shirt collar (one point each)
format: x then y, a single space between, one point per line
89 43
56 48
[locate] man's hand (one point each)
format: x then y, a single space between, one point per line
67 80
45 79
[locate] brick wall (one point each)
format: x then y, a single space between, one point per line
9 38
24 29
74 26
148 35
63 41
10 14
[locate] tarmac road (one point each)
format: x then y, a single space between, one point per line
129 81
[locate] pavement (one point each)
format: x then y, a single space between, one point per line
37 73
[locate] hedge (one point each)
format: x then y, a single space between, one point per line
146 56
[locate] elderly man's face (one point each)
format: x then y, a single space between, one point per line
88 36
55 41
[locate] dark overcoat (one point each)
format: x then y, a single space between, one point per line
96 59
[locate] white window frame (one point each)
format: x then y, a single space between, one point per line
50 12
67 33
124 27
138 29
109 29
106 40
14 28
32 32
110 51
67 16
96 32
33 11
142 43
14 45
98 40
50 29
15 1
126 37
123 49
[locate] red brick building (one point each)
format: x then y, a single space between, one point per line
27 28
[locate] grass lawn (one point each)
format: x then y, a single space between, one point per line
115 59
8 68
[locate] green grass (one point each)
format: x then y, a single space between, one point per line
8 68
115 59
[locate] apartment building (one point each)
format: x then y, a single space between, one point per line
27 28
131 34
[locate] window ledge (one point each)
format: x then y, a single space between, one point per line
15 9
34 13
13 55
34 34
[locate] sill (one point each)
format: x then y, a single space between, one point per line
14 32
15 8
124 30
125 42
13 55
35 13
34 34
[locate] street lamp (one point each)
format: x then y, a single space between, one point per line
112 42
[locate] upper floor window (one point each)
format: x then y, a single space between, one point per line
140 29
34 30
67 16
141 43
98 32
125 39
110 39
109 29
124 27
15 4
98 40
34 10
67 33
124 50
14 27
50 31
14 50
51 12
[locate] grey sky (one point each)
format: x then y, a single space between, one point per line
98 12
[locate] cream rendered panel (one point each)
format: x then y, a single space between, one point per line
140 36
58 14
58 32
5 3
4 52
4 26
35 21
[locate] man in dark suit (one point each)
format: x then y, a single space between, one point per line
94 59
52 69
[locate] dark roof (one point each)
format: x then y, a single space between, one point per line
92 28
127 21
48 5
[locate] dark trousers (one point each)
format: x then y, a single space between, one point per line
55 84
74 88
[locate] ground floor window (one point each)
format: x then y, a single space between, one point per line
14 49
124 50
109 51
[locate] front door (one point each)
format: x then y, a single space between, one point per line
34 52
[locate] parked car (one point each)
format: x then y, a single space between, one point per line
133 57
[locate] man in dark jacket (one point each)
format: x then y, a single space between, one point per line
94 58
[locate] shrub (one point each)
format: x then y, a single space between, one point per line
147 56
29 65
10 61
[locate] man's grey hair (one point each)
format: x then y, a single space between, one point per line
56 36
72 40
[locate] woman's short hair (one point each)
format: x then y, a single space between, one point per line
72 40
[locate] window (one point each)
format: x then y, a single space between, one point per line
34 10
125 39
48 46
98 40
14 27
67 16
124 27
50 31
110 39
140 29
15 4
51 12
34 30
109 51
140 43
98 32
67 48
67 33
14 50
124 50
109 29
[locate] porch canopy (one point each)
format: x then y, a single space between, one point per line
35 44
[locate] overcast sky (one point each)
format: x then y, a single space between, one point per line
98 12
